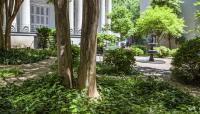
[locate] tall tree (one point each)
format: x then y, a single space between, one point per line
87 69
160 21
1 24
173 4
121 21
64 51
11 9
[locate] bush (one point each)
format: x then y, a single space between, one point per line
43 37
162 51
142 47
173 52
137 51
187 62
122 60
52 39
22 56
75 55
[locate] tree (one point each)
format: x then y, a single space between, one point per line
132 5
1 24
197 28
87 69
64 51
121 21
160 21
11 8
173 4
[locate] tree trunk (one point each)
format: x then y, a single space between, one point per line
1 24
87 69
8 36
63 42
169 40
11 9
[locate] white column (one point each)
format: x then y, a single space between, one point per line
25 16
78 15
71 15
108 10
102 14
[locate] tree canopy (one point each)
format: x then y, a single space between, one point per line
132 5
121 21
160 20
173 4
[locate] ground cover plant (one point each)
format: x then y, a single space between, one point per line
23 56
119 95
10 72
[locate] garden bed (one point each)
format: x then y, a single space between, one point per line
127 95
23 56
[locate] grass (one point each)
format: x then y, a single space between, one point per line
119 95
10 72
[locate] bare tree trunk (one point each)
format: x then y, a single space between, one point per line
8 35
63 42
1 24
87 69
169 40
11 10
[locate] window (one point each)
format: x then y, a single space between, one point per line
39 16
47 11
38 10
32 19
42 20
42 11
38 19
32 9
47 20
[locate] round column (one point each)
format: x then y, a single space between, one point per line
25 16
71 16
78 16
102 14
108 10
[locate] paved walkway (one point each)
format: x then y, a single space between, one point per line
30 71
160 67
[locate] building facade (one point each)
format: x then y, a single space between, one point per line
37 13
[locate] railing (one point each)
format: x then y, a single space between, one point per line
33 29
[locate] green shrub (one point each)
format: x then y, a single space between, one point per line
122 60
102 38
43 34
137 51
173 52
187 62
75 55
142 47
22 56
162 51
52 39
